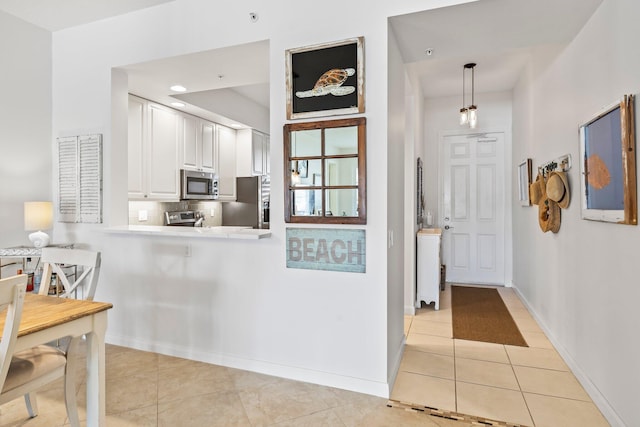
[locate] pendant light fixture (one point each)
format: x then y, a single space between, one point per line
469 114
464 111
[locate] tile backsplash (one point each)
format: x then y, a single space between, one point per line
152 213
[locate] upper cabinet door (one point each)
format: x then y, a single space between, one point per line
253 153
163 153
226 162
189 142
136 162
207 147
257 151
266 149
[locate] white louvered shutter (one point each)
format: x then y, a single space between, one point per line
67 179
80 179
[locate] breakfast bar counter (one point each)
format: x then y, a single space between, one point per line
220 232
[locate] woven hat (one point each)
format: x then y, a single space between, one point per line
557 189
549 215
536 190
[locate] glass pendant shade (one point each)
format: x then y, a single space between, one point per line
464 116
473 116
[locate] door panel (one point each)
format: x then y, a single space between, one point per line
473 208
460 196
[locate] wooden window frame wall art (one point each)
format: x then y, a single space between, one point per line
325 79
608 166
524 180
319 180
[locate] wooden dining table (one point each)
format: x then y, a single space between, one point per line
46 319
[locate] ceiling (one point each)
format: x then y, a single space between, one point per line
54 15
498 35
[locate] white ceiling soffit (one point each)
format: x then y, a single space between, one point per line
495 34
243 69
54 15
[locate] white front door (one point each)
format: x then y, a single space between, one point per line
473 208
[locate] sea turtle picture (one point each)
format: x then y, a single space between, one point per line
330 83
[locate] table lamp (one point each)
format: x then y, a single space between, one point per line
38 216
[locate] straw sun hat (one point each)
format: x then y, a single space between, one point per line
557 189
536 190
548 209
549 215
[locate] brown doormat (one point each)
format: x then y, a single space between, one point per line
479 314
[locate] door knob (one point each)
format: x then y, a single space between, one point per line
446 227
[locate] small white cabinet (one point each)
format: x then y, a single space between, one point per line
253 151
198 144
153 151
428 260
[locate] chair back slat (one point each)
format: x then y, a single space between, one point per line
12 292
55 258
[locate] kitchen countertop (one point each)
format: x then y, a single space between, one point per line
220 232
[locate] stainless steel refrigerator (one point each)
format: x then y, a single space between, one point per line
252 205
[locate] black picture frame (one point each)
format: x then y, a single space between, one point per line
306 66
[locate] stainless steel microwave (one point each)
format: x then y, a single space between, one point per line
197 185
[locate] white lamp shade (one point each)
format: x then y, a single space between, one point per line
38 215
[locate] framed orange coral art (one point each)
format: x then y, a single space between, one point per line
608 166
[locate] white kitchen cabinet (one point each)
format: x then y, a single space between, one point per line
253 153
209 162
137 133
226 148
198 144
428 275
190 155
153 151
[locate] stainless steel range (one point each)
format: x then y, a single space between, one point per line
184 218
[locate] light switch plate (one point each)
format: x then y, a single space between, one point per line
142 215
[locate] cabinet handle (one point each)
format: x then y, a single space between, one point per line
446 227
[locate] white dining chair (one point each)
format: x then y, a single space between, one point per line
55 260
83 286
27 370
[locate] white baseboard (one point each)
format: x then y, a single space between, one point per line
358 385
598 399
409 310
393 374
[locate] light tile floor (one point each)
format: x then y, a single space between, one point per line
530 386
149 389
511 384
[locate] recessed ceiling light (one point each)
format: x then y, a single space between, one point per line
178 88
177 104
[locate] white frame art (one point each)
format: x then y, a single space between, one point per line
524 180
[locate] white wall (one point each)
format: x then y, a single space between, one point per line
396 172
327 327
414 149
582 283
25 124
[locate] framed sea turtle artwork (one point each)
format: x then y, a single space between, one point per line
608 165
325 79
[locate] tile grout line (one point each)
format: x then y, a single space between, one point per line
526 404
